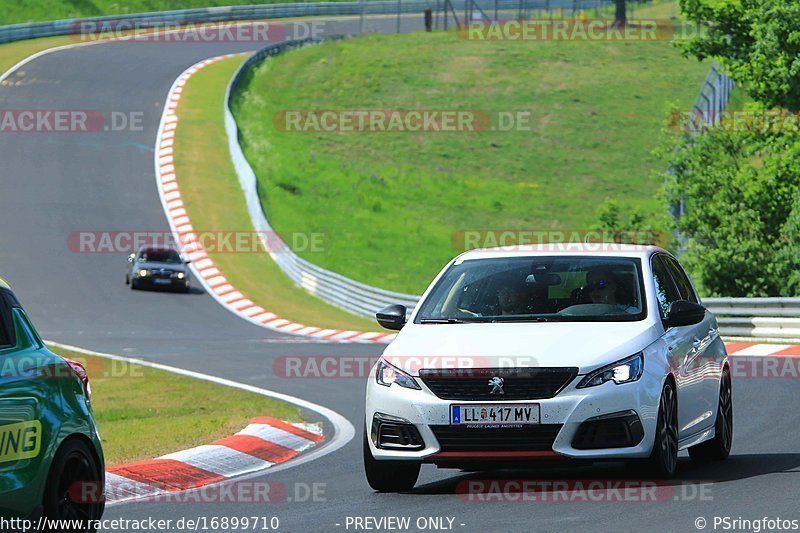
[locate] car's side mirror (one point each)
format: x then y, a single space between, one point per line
131 258
392 317
684 313
187 261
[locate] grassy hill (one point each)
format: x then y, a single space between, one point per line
391 204
19 11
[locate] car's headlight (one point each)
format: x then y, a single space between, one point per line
181 275
143 273
624 371
386 374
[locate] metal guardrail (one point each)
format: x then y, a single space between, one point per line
17 32
771 319
331 287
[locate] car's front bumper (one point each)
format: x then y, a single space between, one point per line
569 409
162 283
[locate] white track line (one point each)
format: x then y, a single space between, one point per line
343 429
213 281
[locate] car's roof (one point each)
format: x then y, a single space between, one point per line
4 284
587 249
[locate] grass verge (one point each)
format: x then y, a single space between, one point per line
392 205
16 11
13 53
214 201
132 403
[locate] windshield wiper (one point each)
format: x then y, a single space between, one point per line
522 319
440 321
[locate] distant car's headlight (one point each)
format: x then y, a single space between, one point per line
143 273
180 275
386 374
624 371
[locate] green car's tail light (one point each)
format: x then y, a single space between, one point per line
80 371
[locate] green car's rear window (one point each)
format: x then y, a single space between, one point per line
6 335
3 335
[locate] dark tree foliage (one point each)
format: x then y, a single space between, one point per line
757 41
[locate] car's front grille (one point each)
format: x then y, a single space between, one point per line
526 438
513 383
159 273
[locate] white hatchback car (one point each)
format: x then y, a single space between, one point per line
597 352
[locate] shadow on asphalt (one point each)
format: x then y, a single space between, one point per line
192 290
736 467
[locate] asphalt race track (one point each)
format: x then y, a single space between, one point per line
58 183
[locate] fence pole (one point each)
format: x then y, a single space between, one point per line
361 17
399 7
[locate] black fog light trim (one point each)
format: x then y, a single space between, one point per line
394 433
615 430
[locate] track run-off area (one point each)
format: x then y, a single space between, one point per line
55 184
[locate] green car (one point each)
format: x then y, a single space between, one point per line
51 461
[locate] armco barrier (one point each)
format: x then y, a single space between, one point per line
331 287
17 32
770 319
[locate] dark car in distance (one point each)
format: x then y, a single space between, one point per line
156 267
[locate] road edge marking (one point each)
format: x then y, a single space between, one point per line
210 277
343 430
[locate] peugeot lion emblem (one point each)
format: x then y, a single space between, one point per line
496 383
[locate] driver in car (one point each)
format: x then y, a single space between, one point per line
602 285
511 300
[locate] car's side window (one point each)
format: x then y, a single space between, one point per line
681 280
6 323
666 291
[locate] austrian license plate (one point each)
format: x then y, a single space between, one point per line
495 414
162 281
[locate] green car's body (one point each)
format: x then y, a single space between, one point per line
44 410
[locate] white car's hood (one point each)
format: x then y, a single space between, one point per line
586 345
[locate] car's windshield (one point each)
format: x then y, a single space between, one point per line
542 288
159 256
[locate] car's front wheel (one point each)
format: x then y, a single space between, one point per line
74 489
663 461
389 476
719 448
